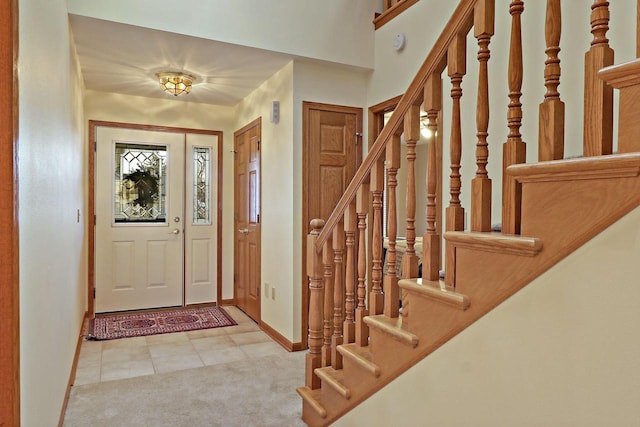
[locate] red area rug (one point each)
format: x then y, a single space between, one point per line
158 322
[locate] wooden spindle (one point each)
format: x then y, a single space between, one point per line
551 128
481 184
327 263
598 96
431 239
362 204
409 258
456 66
391 292
350 225
514 149
411 136
338 294
376 297
314 270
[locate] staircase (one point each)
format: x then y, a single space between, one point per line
360 336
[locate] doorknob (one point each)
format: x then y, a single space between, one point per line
244 231
175 231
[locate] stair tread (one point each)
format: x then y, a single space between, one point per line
495 242
393 327
314 399
436 290
334 378
361 355
622 75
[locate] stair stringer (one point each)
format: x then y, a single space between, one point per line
561 351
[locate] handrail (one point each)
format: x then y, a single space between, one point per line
460 22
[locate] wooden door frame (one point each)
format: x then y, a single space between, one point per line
9 267
257 122
93 125
307 106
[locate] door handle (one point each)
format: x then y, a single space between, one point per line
175 231
244 231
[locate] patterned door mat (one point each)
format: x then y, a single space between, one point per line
158 322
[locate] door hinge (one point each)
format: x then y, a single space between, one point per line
358 136
258 290
94 220
94 293
258 219
258 144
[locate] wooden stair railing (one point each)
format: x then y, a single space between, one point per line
351 316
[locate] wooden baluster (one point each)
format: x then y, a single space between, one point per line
431 239
338 292
411 136
551 129
391 292
350 224
456 66
481 184
376 297
313 358
327 262
598 96
362 205
410 259
514 149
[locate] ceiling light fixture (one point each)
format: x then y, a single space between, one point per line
175 83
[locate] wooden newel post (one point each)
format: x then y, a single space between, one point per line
315 271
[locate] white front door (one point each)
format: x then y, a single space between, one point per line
156 219
139 219
201 225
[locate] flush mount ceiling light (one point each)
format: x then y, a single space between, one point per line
175 83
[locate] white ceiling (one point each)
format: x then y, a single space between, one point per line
124 59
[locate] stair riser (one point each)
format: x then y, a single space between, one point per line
356 378
389 353
431 320
311 417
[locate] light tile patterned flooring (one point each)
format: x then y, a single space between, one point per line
110 360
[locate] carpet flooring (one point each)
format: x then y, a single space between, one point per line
255 392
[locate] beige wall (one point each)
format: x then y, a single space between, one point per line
52 241
561 352
338 31
277 195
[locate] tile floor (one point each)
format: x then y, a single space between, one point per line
110 360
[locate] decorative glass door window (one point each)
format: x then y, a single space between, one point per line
140 189
201 185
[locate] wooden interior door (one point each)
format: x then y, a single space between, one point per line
247 219
332 152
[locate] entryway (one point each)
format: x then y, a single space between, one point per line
156 200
